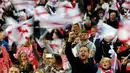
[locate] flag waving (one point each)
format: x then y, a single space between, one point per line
105 30
18 32
124 31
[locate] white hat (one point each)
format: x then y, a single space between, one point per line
126 5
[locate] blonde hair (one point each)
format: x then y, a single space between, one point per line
106 59
39 71
21 55
79 26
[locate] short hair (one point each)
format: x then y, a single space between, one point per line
39 71
58 59
94 26
84 31
106 58
113 13
84 46
89 5
15 66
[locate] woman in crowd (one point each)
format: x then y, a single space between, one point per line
56 41
5 61
55 58
76 28
27 48
65 63
24 63
50 62
57 66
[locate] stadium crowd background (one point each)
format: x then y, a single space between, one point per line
64 36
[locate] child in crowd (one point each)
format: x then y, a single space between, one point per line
105 66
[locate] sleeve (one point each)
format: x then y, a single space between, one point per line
49 49
77 46
93 67
17 52
69 54
36 53
6 46
123 68
94 47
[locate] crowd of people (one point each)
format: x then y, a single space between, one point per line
67 46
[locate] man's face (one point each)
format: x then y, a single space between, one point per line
89 8
101 15
77 40
83 53
94 31
87 23
14 70
83 36
113 16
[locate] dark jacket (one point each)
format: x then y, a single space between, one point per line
114 23
103 50
76 62
97 42
123 69
124 53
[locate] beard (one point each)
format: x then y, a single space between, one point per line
83 39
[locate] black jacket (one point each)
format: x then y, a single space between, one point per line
103 50
76 63
114 23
